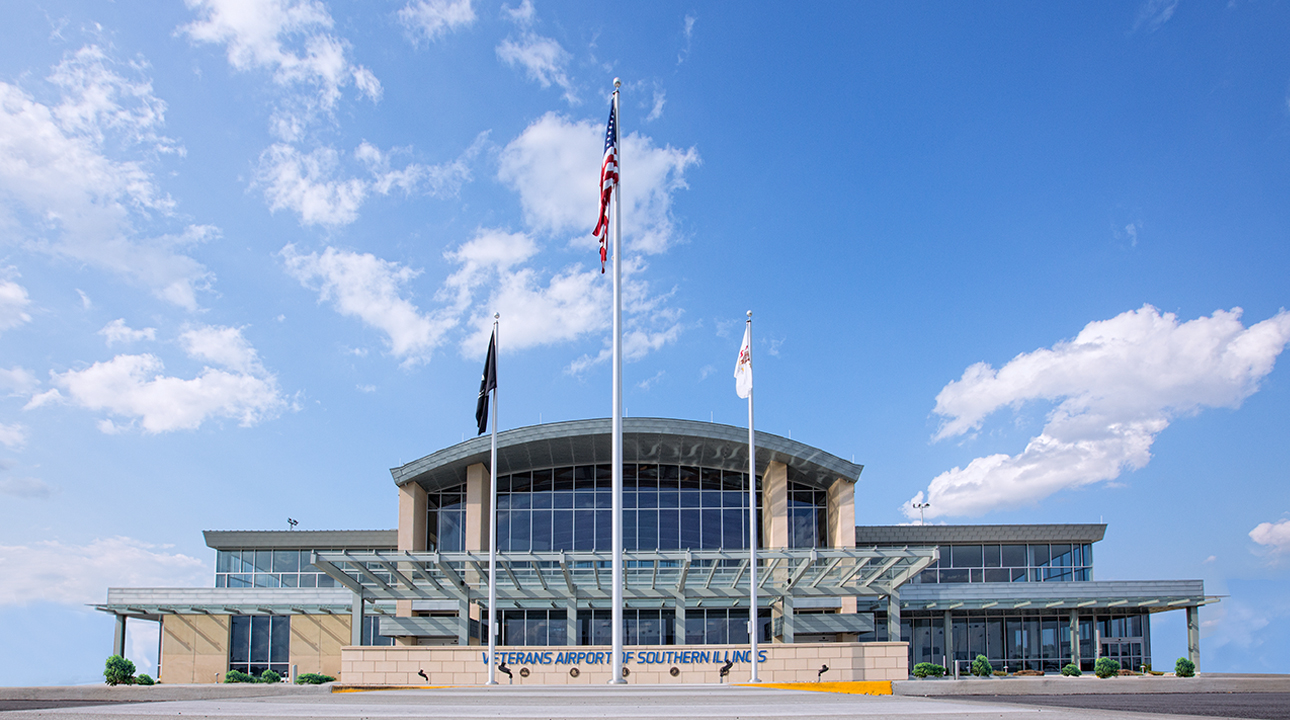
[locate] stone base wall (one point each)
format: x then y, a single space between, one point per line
553 665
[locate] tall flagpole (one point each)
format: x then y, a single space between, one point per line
492 525
616 615
753 626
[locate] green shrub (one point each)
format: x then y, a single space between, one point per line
237 676
1184 668
313 679
268 676
925 669
118 671
981 667
144 679
1072 670
1106 667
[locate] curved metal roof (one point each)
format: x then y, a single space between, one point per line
645 440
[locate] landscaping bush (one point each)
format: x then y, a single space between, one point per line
237 676
924 669
1184 668
1072 670
144 679
268 676
981 667
118 671
313 679
1106 667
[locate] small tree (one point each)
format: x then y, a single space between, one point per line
1184 668
1072 670
981 667
1106 667
268 676
118 671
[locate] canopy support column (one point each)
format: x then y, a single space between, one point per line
1193 635
118 637
356 620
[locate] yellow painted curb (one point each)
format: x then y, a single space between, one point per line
377 688
855 687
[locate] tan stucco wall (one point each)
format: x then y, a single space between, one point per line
194 648
316 641
784 663
774 498
478 489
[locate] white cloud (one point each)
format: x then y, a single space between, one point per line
1275 537
1117 385
430 20
688 32
554 165
27 488
290 38
1152 14
133 386
62 195
222 346
13 303
541 58
13 436
86 303
52 571
310 184
370 289
18 381
118 332
656 112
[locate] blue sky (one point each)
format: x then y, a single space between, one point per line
1028 261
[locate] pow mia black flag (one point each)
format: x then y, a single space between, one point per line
487 383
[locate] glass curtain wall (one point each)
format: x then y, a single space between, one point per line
1011 563
268 568
258 643
1026 642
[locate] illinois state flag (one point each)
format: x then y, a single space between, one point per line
743 368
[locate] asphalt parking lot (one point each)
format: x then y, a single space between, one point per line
1261 706
533 703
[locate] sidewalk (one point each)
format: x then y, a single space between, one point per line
1091 685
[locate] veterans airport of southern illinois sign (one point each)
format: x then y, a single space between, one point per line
641 657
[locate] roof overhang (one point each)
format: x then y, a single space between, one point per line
968 534
645 440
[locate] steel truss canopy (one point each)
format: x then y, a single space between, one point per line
1136 596
716 576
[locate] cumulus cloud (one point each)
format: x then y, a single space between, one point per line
13 436
430 20
313 185
17 381
26 488
52 571
13 304
133 386
363 286
118 332
1274 537
289 38
541 58
554 165
1116 385
61 194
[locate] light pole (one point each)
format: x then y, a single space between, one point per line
920 507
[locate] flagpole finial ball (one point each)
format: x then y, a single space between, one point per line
617 83
497 316
750 313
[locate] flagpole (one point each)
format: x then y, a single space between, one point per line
616 614
492 524
752 527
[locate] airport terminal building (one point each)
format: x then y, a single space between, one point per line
409 605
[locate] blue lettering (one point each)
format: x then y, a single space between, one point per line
627 656
761 656
742 656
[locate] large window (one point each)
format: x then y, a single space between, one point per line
720 626
534 627
808 516
665 507
446 523
641 626
258 643
1043 562
267 568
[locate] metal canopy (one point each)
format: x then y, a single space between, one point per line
645 440
697 575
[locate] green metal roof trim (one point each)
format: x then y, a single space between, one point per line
645 440
302 539
973 534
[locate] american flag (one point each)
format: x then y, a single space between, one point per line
608 180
